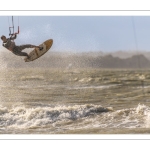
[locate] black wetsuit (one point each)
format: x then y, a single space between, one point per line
17 50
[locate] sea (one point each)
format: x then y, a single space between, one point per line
74 101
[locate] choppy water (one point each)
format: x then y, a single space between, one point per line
55 101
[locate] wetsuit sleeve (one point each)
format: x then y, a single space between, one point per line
13 37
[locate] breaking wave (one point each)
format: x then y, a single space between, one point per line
22 117
138 117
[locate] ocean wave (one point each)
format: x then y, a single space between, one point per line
82 117
22 117
138 117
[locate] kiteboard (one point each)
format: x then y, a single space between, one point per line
36 53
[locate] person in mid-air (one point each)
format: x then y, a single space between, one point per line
17 50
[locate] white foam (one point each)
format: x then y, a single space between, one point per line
90 116
144 111
22 117
138 117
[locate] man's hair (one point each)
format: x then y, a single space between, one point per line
3 36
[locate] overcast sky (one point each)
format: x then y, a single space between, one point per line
82 33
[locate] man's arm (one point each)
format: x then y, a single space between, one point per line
13 37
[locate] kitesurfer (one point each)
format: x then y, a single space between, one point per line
15 49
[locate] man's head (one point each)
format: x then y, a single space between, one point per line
3 37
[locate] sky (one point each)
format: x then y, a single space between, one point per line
82 33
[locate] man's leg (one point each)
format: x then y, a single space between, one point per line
22 47
18 51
